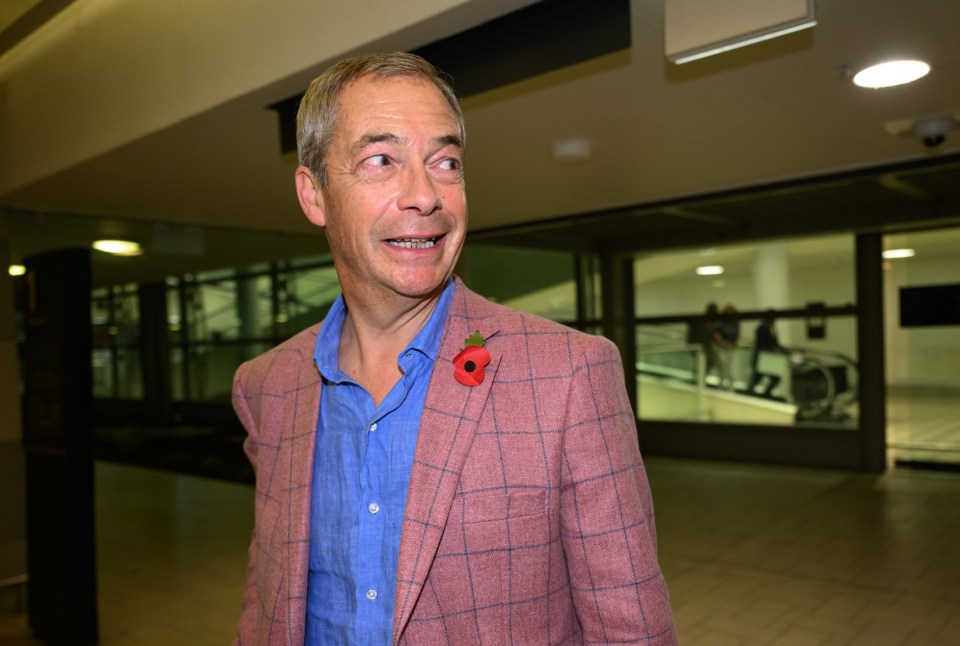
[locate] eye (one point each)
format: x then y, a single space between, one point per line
377 160
449 163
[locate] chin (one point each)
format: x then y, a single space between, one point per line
420 286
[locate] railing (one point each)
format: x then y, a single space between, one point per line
821 384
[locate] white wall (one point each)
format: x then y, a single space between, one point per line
927 357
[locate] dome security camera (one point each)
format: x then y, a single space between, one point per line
933 131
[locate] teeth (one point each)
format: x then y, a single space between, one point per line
414 243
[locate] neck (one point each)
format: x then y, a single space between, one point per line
374 334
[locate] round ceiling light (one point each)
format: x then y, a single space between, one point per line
119 247
891 73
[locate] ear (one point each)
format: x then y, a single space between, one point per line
310 196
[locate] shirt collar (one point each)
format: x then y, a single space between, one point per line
327 349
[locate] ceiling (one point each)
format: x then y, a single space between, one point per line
769 140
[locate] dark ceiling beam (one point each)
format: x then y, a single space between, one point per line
29 22
537 39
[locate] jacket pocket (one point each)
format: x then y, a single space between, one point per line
494 506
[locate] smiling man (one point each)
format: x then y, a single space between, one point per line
433 468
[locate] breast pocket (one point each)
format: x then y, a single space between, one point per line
503 506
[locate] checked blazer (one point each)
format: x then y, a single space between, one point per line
529 518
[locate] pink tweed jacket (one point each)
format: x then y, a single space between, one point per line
529 518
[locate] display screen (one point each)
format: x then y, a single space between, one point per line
930 305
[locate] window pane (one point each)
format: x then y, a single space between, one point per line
129 373
540 282
703 363
303 297
178 388
808 381
212 311
211 368
315 260
254 314
174 315
125 321
778 275
103 373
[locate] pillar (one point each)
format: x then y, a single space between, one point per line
13 531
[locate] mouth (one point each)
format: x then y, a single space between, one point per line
413 243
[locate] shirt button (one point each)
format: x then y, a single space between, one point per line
373 426
371 594
373 508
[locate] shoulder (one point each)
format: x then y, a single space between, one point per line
537 340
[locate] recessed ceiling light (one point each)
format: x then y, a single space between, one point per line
891 73
118 247
571 151
899 253
709 270
16 270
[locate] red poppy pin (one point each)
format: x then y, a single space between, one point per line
469 364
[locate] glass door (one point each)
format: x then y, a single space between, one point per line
922 342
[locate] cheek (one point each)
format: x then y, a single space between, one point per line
342 235
455 202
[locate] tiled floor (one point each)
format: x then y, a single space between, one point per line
924 425
171 552
764 555
752 554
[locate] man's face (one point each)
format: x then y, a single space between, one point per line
394 207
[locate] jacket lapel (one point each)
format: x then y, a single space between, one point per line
451 414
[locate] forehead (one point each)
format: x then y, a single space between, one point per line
400 100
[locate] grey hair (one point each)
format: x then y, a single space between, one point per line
319 107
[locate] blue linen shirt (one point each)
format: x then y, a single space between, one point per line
361 474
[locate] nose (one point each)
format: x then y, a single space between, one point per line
419 191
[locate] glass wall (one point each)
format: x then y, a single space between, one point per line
748 334
922 343
214 321
217 320
115 315
539 282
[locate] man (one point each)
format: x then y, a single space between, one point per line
433 468
766 344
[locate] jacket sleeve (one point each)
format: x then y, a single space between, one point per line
249 615
607 521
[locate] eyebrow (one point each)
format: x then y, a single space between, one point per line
376 138
389 137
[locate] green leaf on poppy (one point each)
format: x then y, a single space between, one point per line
475 339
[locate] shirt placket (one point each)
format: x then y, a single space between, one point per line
369 581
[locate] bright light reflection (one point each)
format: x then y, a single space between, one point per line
118 247
899 253
891 73
709 270
16 270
